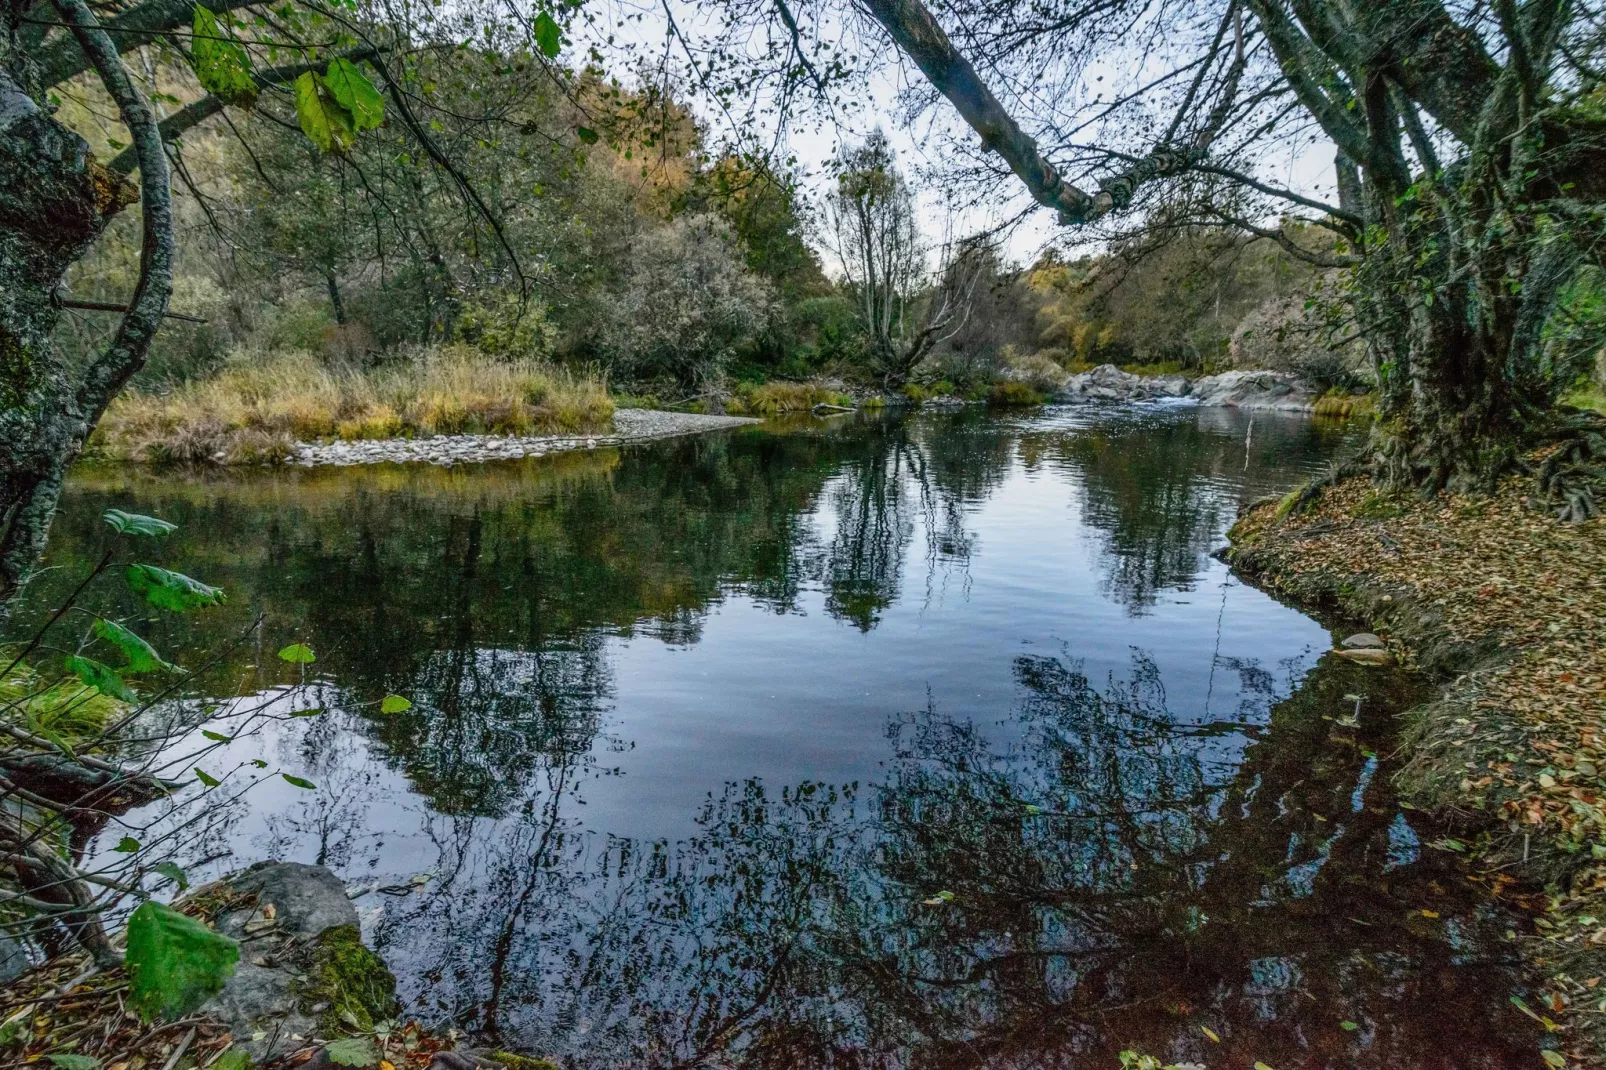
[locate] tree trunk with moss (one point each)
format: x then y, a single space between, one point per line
55 203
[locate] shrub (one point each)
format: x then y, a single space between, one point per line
778 397
259 406
1010 394
687 306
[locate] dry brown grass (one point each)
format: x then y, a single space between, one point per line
260 405
778 397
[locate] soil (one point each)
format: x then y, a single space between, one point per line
1506 605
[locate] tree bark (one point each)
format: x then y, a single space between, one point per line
55 204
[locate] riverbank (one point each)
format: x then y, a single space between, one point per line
260 408
629 425
1505 605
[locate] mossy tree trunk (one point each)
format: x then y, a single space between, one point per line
54 204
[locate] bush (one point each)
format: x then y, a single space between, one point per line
1010 394
259 406
1285 334
688 304
1036 370
778 397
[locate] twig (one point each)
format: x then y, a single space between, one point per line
107 306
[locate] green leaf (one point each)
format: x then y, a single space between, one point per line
175 963
102 678
1551 1057
354 92
206 778
323 120
297 654
352 1051
588 135
547 37
69 1061
139 655
394 704
299 782
136 524
1348 1026
311 711
172 872
221 65
127 845
233 1059
216 737
170 590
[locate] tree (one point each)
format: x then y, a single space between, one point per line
63 198
687 304
1470 172
883 258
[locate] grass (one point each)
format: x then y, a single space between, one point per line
259 406
1013 395
1587 395
777 397
1338 404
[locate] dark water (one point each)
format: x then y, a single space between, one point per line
930 742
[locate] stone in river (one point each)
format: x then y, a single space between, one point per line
1362 640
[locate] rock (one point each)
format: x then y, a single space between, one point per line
1366 656
1109 383
1363 640
302 961
13 958
1255 390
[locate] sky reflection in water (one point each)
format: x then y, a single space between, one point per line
934 741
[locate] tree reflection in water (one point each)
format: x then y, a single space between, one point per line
1113 877
1070 867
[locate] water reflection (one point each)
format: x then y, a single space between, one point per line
935 741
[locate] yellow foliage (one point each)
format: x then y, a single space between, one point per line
259 405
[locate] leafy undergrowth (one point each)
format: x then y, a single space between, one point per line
259 406
1508 604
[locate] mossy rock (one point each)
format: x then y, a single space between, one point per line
347 983
520 1062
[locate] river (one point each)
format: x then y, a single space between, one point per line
935 741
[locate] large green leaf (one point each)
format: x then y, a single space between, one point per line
170 590
140 655
353 91
323 120
137 523
175 963
547 38
221 65
298 654
101 677
352 1051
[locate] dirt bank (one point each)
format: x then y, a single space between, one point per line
1508 607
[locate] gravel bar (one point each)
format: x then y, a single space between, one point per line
629 425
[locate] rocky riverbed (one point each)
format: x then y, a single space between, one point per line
629 425
1245 389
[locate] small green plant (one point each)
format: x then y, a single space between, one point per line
1009 394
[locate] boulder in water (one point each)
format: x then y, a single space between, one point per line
1255 390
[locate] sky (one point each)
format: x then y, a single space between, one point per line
920 141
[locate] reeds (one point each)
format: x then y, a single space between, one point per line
260 405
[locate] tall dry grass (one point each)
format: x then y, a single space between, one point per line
260 405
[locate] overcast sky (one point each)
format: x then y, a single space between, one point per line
814 138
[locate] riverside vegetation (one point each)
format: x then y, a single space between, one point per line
409 221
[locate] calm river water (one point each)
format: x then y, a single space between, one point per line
938 741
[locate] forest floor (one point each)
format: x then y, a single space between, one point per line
1506 605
